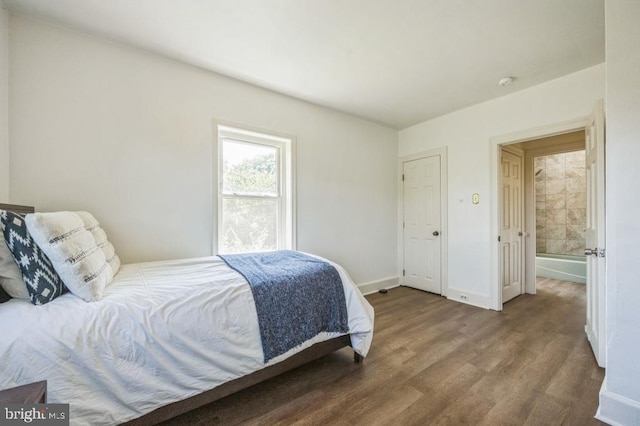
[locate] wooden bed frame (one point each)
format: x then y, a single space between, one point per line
180 407
17 209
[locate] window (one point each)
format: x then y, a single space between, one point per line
255 191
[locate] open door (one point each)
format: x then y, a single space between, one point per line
595 237
511 226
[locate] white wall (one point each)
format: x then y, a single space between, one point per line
620 394
466 134
128 135
4 104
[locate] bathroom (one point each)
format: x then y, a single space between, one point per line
561 196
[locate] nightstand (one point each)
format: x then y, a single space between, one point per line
33 393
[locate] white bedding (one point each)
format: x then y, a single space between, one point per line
163 332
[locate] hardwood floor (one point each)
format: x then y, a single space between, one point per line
439 362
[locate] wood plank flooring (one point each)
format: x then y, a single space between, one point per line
439 362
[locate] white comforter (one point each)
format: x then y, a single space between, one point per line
164 331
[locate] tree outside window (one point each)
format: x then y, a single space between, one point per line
254 193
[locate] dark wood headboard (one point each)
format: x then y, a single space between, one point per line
17 209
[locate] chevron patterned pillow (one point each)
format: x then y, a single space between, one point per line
43 283
10 276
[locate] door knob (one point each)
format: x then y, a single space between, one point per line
520 234
591 252
436 233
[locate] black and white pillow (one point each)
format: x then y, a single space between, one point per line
43 283
11 281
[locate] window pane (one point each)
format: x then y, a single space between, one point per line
249 169
249 225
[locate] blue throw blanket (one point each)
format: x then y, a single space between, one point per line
297 296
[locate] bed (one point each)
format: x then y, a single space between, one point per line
166 337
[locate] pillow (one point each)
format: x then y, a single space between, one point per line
73 252
10 276
41 279
92 225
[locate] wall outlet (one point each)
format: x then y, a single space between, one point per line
464 297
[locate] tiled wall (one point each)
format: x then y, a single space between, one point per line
561 200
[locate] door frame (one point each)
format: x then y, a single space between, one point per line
496 144
444 234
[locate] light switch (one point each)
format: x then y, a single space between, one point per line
475 199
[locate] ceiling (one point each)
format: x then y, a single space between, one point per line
396 62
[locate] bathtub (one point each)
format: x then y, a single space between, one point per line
562 267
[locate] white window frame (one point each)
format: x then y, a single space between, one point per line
285 145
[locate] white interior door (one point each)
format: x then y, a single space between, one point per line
595 237
511 226
422 243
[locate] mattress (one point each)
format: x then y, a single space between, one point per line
163 332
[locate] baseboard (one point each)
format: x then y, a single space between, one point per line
617 410
468 298
372 287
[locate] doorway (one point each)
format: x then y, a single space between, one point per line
562 138
542 205
539 237
560 197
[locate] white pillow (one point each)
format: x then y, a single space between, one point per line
10 275
73 252
91 224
